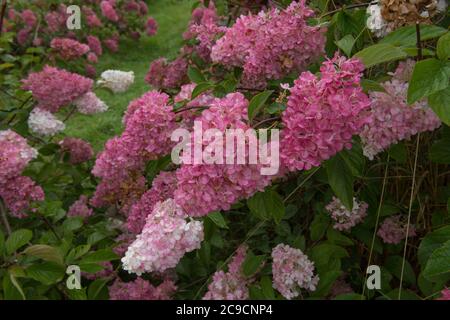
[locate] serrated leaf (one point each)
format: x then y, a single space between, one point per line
257 103
201 88
439 262
380 53
195 75
99 256
267 205
18 239
431 242
406 36
47 273
443 47
218 219
440 103
346 44
45 252
429 76
340 178
252 264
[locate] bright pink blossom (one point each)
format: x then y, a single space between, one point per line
141 289
79 150
80 208
68 49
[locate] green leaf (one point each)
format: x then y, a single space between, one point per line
201 88
406 36
2 242
431 242
350 296
99 256
354 159
267 205
96 290
326 281
252 264
47 273
440 103
18 239
399 152
10 289
267 288
340 178
218 219
380 53
440 151
443 47
371 85
439 262
319 226
77 252
195 75
346 44
338 238
77 294
394 265
45 252
429 76
257 103
73 223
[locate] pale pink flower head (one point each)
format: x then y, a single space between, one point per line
292 271
231 285
15 154
345 219
394 229
89 103
167 236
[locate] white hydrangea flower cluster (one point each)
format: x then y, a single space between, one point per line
345 219
89 103
292 271
44 123
117 81
375 21
167 236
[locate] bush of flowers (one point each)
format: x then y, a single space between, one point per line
358 91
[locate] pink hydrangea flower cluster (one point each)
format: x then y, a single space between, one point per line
231 285
203 188
91 17
393 230
112 44
292 271
95 45
167 236
393 120
445 294
163 187
141 289
80 208
89 103
55 20
18 192
15 154
165 75
204 28
68 49
54 88
149 123
322 115
151 27
79 150
345 219
108 10
271 45
185 94
29 18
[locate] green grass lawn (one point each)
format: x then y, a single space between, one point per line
172 17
